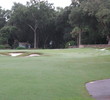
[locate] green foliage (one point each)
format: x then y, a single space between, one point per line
16 44
2 17
38 20
3 40
34 18
6 33
92 14
2 47
62 45
5 47
7 30
70 43
20 48
75 31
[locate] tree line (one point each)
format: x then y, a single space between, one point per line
44 26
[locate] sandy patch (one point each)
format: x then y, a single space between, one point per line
103 49
21 54
15 54
33 55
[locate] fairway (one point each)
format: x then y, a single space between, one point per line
59 74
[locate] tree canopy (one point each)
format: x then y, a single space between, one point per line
39 23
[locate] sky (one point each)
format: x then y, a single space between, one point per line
7 4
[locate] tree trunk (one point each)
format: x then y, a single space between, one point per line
108 38
79 40
45 41
35 40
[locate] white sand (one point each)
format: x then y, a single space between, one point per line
33 55
15 54
102 49
18 54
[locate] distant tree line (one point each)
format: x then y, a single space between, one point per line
43 26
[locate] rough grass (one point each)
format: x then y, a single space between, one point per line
59 76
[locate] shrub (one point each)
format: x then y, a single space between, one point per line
6 46
62 45
2 47
3 40
69 43
20 48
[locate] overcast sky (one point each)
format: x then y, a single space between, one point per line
7 4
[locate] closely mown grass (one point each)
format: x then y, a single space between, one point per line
61 75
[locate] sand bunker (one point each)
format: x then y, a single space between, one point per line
33 55
100 90
103 49
23 54
15 54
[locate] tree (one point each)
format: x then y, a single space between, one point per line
2 17
92 15
99 12
103 17
34 22
8 35
39 16
77 20
39 23
18 19
63 28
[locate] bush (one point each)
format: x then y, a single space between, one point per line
3 40
20 48
62 45
70 43
6 46
2 47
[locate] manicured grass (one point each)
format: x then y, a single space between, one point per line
55 75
